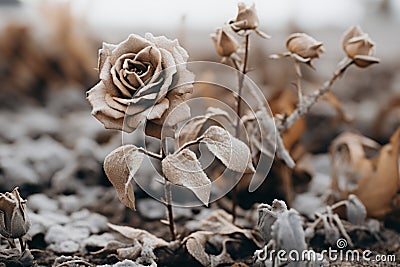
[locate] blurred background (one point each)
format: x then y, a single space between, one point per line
48 60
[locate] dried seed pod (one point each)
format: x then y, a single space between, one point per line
14 222
225 44
359 47
304 46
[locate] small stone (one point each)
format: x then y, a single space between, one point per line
40 202
59 234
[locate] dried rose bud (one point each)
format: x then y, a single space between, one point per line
304 46
246 18
225 44
359 47
14 222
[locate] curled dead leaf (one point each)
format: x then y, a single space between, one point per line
374 181
120 166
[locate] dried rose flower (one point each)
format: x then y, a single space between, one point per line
14 222
141 78
246 20
225 44
304 47
359 47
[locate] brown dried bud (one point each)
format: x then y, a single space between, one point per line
304 46
246 18
359 47
225 44
14 222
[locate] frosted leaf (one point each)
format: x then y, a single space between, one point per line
192 129
232 152
195 244
183 168
355 210
267 215
288 233
138 234
120 166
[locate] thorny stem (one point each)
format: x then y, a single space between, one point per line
238 112
168 196
310 100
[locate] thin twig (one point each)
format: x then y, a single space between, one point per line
149 153
310 100
190 143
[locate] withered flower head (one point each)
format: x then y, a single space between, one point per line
359 47
141 78
304 47
246 20
225 44
14 222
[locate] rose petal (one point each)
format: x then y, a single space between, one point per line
169 69
133 44
106 78
111 118
364 61
158 110
105 52
96 97
111 102
135 120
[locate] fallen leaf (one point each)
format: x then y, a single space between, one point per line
196 246
120 166
375 181
183 168
138 234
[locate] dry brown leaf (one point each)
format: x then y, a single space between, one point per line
220 222
191 130
332 99
120 166
377 180
196 243
285 103
183 168
232 152
138 234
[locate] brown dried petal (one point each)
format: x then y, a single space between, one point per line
365 61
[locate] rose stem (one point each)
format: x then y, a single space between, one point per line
238 112
298 81
168 196
310 100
